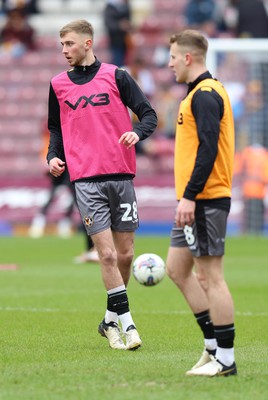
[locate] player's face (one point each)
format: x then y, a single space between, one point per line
177 62
74 48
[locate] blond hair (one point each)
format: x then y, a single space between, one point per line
79 26
191 40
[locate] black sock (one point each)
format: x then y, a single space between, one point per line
225 335
118 302
204 321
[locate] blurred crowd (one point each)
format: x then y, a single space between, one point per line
235 18
17 36
215 18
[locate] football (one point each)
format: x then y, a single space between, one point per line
149 269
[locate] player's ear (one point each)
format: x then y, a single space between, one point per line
188 58
88 43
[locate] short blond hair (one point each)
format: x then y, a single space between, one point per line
191 39
79 26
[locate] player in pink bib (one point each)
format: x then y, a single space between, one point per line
89 123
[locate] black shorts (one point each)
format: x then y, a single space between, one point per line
206 237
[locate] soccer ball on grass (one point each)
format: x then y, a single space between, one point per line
149 269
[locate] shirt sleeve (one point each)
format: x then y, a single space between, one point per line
207 108
133 97
55 148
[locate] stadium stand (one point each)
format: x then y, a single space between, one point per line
24 81
24 85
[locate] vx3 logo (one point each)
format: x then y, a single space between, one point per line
101 99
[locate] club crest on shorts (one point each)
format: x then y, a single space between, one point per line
88 221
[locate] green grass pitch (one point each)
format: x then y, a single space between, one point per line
50 310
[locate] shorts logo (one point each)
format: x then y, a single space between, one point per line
88 221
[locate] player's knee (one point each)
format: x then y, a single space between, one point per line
202 281
108 256
180 277
172 273
126 257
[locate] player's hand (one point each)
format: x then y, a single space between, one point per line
56 166
129 139
185 213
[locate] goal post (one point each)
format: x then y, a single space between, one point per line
242 66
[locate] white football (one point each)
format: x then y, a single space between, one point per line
149 269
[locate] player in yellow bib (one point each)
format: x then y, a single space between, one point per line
203 167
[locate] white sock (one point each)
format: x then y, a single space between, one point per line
126 320
211 344
225 356
110 316
116 289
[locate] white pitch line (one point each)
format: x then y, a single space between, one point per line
25 309
182 312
